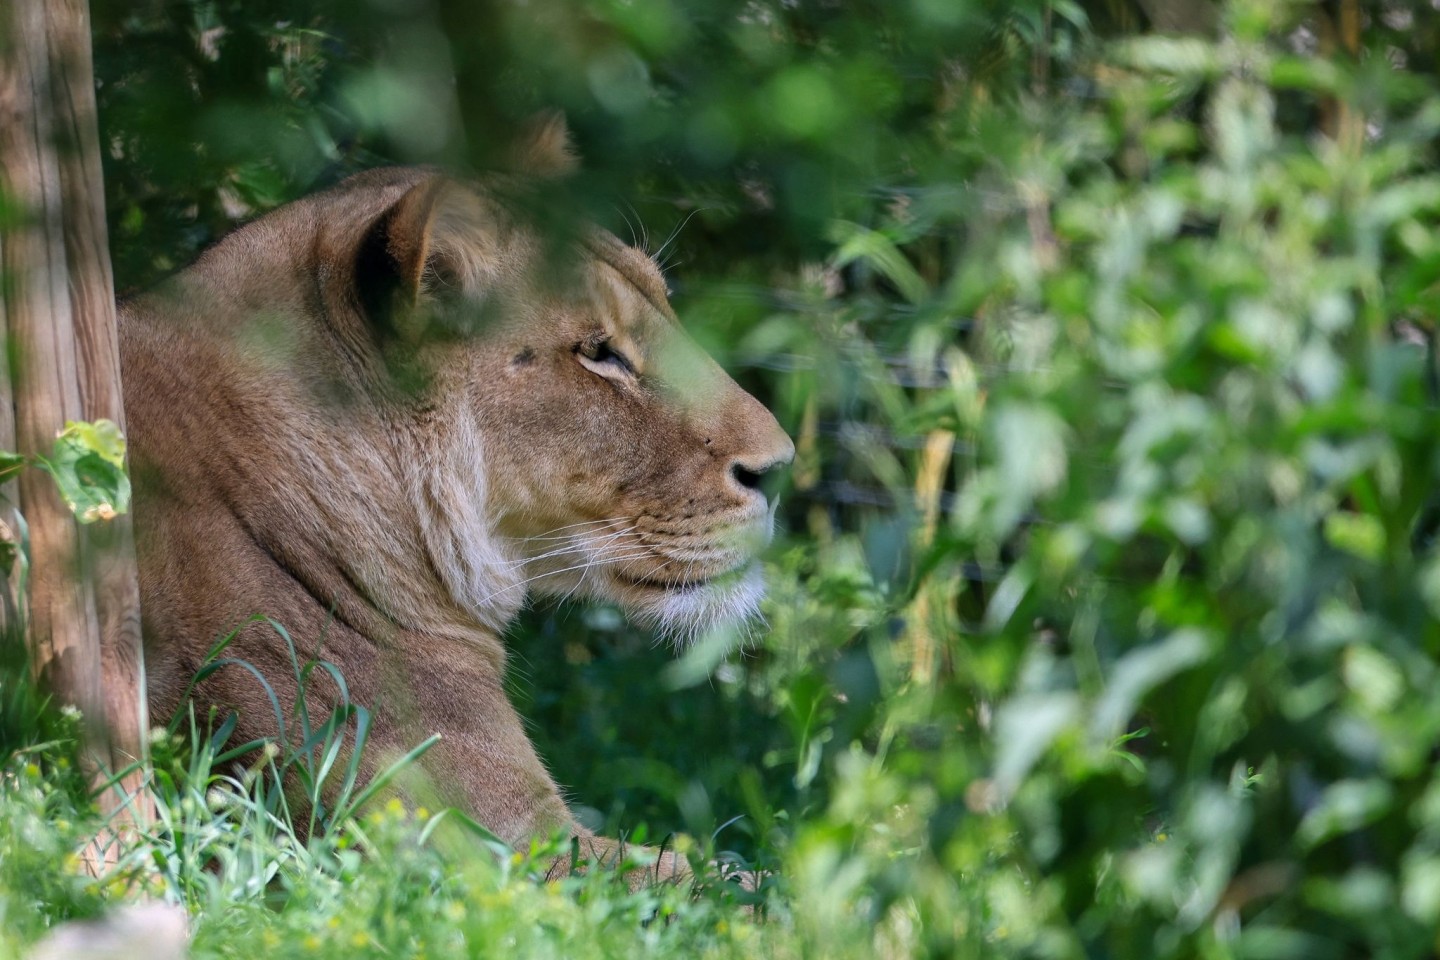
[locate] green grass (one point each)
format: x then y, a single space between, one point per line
241 844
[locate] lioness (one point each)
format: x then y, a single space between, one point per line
380 415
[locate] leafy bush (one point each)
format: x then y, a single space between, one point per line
1181 704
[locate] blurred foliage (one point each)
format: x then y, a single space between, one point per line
1107 619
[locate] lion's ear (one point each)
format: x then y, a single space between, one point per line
543 149
390 260
430 245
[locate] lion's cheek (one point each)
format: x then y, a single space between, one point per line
562 457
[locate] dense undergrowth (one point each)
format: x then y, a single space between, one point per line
1106 619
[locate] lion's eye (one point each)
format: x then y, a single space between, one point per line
601 357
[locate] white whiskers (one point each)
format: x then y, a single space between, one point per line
594 561
684 602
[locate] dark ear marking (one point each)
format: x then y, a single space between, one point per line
375 277
390 260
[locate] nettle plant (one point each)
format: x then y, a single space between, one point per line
1181 611
1214 460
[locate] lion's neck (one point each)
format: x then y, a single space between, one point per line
477 569
383 520
404 525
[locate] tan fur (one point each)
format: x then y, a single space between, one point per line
370 416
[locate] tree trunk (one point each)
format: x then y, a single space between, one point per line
57 316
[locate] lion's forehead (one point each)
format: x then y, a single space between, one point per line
624 306
637 269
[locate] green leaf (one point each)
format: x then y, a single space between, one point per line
1178 56
88 466
1142 670
1344 807
1358 534
877 250
10 464
1025 727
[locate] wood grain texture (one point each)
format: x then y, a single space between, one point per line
57 314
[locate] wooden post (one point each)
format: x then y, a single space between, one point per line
57 317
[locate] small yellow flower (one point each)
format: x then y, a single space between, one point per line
422 813
312 942
333 923
359 939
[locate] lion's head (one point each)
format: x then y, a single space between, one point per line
575 440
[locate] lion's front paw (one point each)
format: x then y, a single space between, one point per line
639 866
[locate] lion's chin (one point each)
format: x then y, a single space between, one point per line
682 613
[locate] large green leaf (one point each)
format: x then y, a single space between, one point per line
88 465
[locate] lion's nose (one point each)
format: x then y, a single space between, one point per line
747 473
